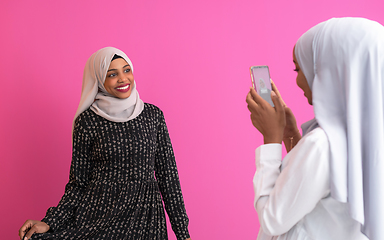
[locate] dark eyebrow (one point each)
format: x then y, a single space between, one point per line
116 69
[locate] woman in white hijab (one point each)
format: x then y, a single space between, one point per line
122 167
330 185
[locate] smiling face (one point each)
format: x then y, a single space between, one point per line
119 79
301 81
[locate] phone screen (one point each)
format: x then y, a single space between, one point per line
261 82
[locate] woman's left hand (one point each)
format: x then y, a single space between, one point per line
270 121
30 227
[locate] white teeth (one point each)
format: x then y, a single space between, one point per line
123 88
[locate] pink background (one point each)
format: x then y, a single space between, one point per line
191 59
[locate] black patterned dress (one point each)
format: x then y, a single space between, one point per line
120 174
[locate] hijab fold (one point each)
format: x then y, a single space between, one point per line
95 96
343 62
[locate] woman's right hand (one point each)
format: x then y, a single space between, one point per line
291 125
270 121
32 226
291 132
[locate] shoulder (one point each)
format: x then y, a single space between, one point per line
153 110
83 117
311 150
87 119
316 137
88 114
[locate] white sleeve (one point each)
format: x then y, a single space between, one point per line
283 198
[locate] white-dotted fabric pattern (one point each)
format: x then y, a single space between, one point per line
121 173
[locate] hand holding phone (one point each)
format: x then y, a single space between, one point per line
261 82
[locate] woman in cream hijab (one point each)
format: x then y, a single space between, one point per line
123 166
330 185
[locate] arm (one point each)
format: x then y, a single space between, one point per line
169 184
283 198
57 217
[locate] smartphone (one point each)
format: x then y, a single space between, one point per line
261 82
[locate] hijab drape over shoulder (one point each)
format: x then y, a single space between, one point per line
343 61
95 96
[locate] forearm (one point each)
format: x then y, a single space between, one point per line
63 213
268 162
169 185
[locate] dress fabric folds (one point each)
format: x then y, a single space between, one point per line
121 173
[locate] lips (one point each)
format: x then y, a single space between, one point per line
123 88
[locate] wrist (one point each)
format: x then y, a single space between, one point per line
274 139
292 135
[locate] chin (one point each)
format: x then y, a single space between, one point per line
125 96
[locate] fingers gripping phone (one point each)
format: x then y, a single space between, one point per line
261 82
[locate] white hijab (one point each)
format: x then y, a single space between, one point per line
343 61
95 96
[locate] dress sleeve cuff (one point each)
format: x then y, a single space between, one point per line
49 221
51 224
268 153
268 162
182 235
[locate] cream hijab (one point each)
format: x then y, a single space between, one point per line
95 96
343 61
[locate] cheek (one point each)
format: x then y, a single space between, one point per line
301 81
107 83
298 81
130 76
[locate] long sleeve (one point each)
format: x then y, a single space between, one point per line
169 184
283 198
62 215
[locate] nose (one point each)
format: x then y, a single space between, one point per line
123 78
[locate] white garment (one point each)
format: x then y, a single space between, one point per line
292 197
343 62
